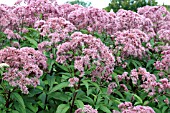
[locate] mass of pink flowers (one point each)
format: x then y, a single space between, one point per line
26 66
86 109
94 53
60 28
127 107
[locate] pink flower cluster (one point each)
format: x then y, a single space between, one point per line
93 19
130 43
127 20
148 81
86 109
73 81
85 51
56 28
110 88
164 64
157 14
8 19
127 107
11 35
160 17
26 65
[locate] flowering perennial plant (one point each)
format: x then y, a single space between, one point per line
127 107
130 43
86 109
85 51
25 66
56 28
77 57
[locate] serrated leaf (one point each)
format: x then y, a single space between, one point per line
59 86
62 108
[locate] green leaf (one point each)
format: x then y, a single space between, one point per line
42 97
2 100
50 63
164 109
51 80
31 107
19 108
59 86
152 42
118 93
14 111
146 103
32 41
62 67
60 96
138 98
85 82
79 103
105 109
87 99
150 62
156 110
18 98
62 108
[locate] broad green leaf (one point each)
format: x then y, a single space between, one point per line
146 103
152 42
32 41
50 63
150 62
59 86
31 107
19 108
62 108
18 98
2 100
60 96
85 82
156 110
14 111
62 67
105 109
87 99
51 80
118 93
42 97
164 109
79 103
138 98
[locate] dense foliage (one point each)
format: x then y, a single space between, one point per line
72 59
133 5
